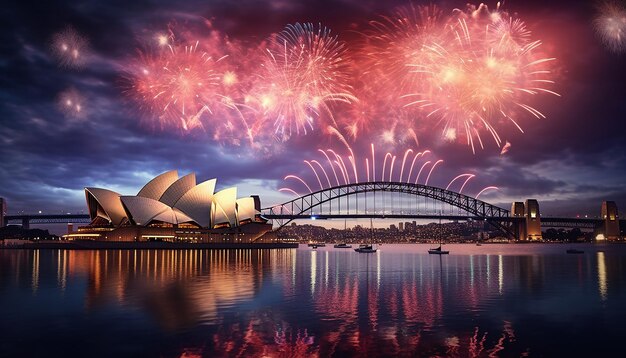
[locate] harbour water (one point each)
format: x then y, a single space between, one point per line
490 300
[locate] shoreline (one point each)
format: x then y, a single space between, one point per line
120 245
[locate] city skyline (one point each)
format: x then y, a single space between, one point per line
571 161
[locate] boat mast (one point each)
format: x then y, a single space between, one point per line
440 231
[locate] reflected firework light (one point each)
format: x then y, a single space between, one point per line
70 48
302 73
72 104
468 72
610 24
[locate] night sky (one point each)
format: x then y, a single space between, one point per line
570 161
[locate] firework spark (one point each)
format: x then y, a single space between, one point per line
72 104
610 24
303 73
392 169
487 189
70 48
505 148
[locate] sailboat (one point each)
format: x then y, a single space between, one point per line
438 250
343 245
367 248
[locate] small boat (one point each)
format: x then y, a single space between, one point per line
479 244
313 247
438 251
574 251
317 244
365 249
343 245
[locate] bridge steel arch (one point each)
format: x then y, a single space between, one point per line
303 206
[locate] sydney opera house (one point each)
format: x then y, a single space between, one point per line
175 209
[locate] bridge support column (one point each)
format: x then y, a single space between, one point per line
533 220
519 226
3 212
25 224
610 220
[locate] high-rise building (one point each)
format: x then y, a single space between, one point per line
3 211
401 226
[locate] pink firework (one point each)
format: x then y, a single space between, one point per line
70 48
178 84
469 72
303 73
395 41
333 168
72 104
610 24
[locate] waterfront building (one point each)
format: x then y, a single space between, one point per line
173 208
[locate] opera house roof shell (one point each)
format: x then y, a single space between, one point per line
171 199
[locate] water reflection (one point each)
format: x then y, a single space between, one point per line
35 272
602 286
305 302
313 270
500 274
476 345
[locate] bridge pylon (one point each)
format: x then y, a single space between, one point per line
519 226
533 220
3 212
610 220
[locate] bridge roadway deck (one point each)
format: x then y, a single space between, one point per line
545 221
382 216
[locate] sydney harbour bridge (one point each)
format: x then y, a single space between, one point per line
401 200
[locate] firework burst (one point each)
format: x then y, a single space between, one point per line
610 24
469 72
72 104
304 72
70 48
177 84
395 41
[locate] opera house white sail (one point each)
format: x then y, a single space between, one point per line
170 207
